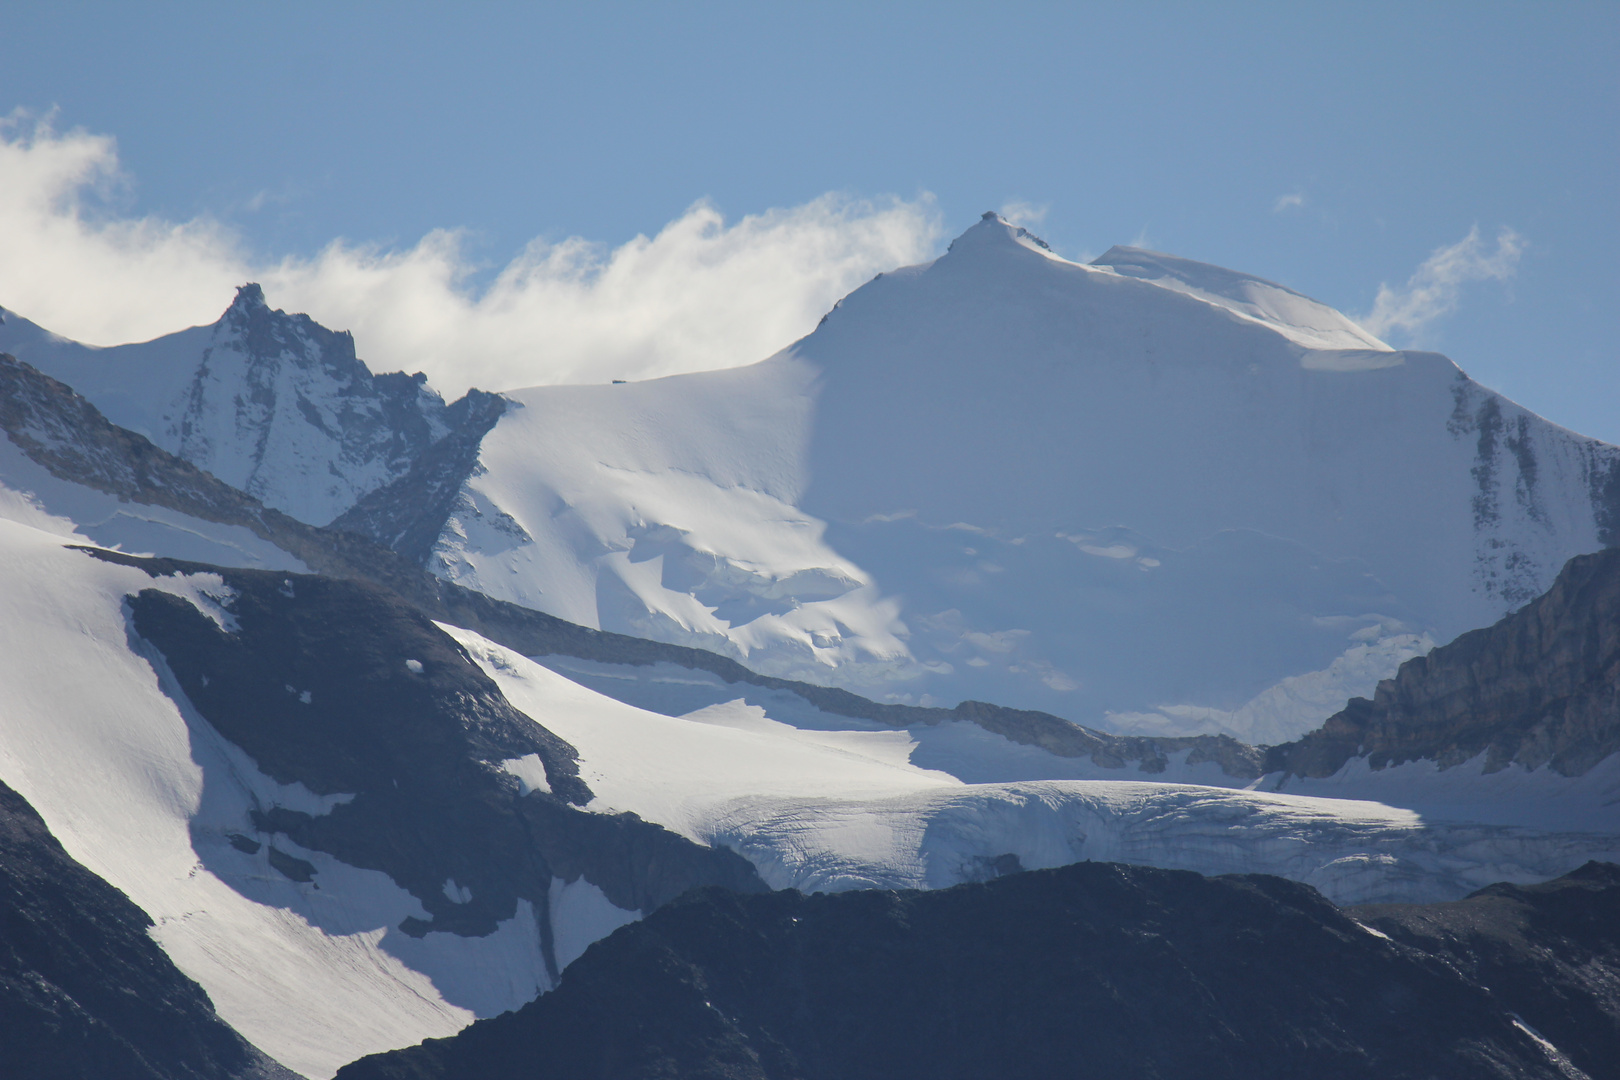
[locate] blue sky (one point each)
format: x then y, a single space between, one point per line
1331 147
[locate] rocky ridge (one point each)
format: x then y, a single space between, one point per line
1549 953
1089 970
1540 687
83 990
272 403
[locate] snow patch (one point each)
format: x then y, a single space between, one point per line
582 914
1296 705
530 772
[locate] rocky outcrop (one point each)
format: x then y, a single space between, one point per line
1090 970
409 513
84 992
1541 687
348 690
62 431
1549 953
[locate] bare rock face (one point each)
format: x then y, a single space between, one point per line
83 991
1541 687
1550 953
409 513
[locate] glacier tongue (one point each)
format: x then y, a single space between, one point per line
819 808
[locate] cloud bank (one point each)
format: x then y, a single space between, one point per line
1435 289
701 294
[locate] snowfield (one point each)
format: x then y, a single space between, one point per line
1145 494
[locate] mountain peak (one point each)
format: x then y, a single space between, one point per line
249 297
994 232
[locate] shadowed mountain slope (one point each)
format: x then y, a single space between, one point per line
84 992
1091 970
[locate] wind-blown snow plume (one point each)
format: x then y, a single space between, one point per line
1027 214
700 294
1433 290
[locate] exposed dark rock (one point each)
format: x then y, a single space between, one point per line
408 514
66 434
84 992
291 865
1548 953
1541 687
1090 970
347 689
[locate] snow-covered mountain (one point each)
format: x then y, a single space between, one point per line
271 403
1143 493
349 854
364 804
355 829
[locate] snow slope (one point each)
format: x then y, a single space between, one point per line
1145 493
849 807
273 404
146 795
30 495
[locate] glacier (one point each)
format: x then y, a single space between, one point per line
820 804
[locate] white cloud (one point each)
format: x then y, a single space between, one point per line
71 263
1434 290
1024 214
1292 201
700 294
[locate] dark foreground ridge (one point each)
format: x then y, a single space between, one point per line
64 433
1550 954
83 991
1090 970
